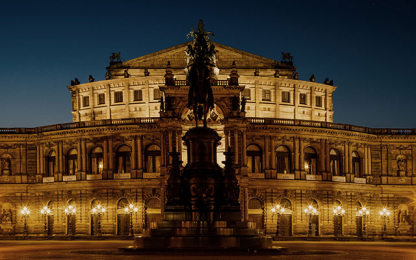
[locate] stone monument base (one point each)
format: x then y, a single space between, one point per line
202 235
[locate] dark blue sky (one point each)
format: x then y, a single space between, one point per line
367 47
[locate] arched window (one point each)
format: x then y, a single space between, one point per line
283 164
356 164
254 159
123 156
335 162
51 163
152 158
310 158
255 204
153 212
286 204
96 161
71 162
255 212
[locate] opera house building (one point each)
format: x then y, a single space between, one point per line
299 173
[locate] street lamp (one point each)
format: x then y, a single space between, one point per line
385 213
310 211
339 212
130 209
279 210
364 212
98 210
70 211
25 214
45 211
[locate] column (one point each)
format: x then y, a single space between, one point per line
369 160
236 146
108 101
105 154
301 157
139 153
42 159
110 155
37 159
346 161
79 154
179 135
162 148
127 100
322 155
170 136
295 152
84 155
245 204
133 153
349 158
226 140
327 156
266 153
278 99
365 160
273 151
62 156
162 202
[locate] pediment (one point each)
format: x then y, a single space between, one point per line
176 55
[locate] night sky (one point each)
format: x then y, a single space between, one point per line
366 47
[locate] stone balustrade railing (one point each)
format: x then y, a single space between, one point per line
252 120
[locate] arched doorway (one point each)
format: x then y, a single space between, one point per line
286 218
50 219
94 219
71 218
337 219
359 219
123 217
314 219
255 212
153 213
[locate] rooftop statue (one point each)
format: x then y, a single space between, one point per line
200 63
115 57
286 57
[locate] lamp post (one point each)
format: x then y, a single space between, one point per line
97 211
130 209
70 211
310 211
384 213
339 212
45 211
278 210
25 214
364 212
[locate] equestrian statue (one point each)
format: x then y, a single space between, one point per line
200 63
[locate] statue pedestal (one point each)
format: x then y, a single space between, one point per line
7 229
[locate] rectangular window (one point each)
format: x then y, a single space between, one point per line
138 95
302 98
157 94
285 97
318 102
85 101
101 99
247 93
118 97
266 95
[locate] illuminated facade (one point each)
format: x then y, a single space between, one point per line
288 152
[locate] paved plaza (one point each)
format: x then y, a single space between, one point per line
91 250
